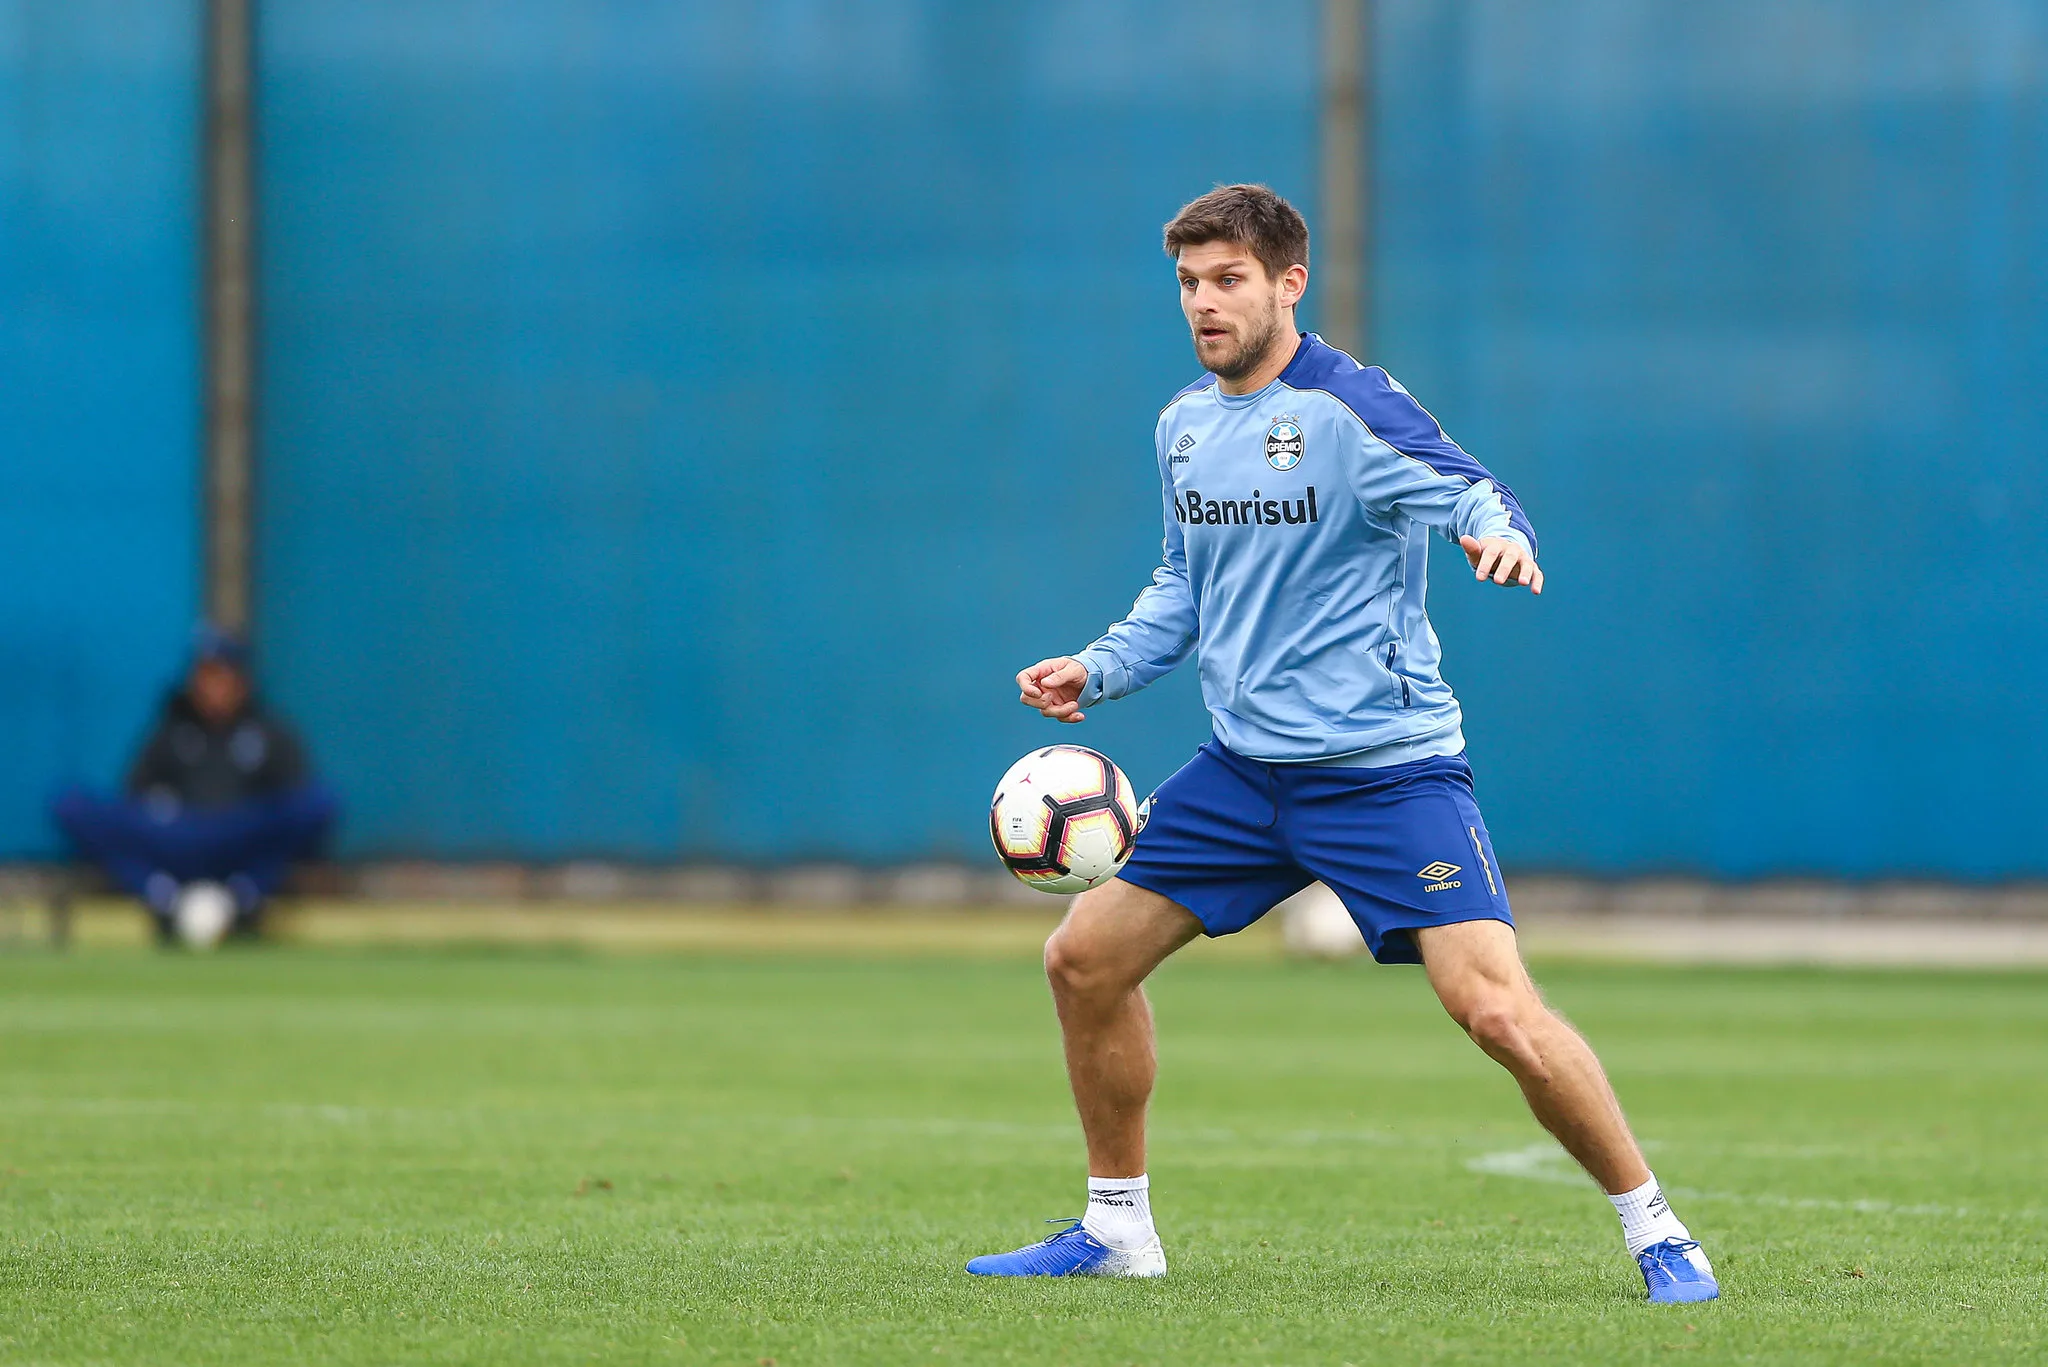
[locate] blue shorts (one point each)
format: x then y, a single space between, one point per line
1404 846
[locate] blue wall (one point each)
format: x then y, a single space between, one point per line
1750 302
99 104
681 420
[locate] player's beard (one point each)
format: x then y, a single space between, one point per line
1249 354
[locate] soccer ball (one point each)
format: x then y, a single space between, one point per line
1315 925
1064 819
204 913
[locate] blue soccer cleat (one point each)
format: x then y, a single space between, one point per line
1073 1252
1677 1273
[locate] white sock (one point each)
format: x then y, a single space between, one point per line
1646 1217
1120 1212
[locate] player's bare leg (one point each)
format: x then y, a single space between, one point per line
1109 943
1097 961
1477 971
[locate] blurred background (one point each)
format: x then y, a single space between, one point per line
650 436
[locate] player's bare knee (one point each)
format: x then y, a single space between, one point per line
1491 1024
1498 1023
1074 973
1079 959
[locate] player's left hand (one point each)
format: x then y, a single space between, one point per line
1503 561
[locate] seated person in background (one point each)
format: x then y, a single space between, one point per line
219 804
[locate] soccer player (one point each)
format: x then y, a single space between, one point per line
1299 488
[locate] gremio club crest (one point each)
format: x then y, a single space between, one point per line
1283 443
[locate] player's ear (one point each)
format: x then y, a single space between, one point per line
1293 285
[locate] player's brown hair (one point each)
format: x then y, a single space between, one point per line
1251 215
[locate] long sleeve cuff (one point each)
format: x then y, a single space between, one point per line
1097 686
1514 534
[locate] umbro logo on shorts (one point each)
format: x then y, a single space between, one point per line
1438 876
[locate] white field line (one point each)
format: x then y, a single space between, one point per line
1548 1163
1543 1162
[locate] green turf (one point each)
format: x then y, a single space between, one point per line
275 1156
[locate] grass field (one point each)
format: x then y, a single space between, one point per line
419 1156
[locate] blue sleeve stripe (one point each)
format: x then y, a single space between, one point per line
1391 414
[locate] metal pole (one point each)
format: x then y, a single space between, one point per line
1343 238
230 314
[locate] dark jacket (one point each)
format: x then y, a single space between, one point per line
253 755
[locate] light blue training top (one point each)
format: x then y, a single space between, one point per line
1297 557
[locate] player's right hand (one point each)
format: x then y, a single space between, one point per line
1054 687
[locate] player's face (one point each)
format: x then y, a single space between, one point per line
1235 310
